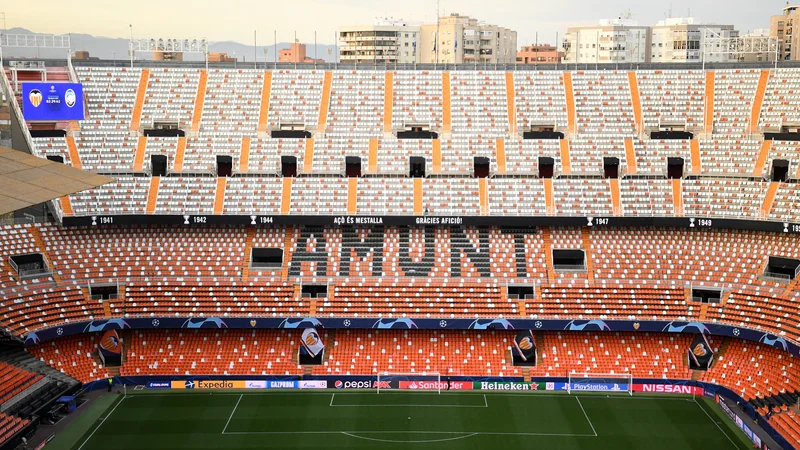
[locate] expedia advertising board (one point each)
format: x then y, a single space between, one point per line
52 101
209 384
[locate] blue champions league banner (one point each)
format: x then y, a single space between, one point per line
52 101
301 323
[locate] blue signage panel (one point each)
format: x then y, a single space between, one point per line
52 101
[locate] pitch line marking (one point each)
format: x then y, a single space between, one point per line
586 415
471 433
232 413
712 421
102 422
419 441
485 405
386 405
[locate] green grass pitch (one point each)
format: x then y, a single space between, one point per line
393 420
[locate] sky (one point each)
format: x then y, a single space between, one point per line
235 20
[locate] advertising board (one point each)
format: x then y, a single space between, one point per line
52 101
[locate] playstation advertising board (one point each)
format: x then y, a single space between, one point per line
52 101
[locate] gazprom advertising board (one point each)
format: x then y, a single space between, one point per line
52 101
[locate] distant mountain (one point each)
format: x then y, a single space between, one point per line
108 48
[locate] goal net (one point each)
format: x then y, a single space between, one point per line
426 381
600 382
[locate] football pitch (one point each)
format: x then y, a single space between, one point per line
362 419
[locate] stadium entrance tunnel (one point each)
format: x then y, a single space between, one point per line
520 292
103 291
569 260
43 131
314 290
291 134
543 132
780 171
546 167
352 166
481 169
675 168
224 166
610 167
416 167
165 130
672 135
706 295
266 258
158 165
288 166
29 265
417 132
785 269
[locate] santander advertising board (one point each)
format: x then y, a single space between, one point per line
436 385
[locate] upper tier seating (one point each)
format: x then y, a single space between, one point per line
734 91
417 97
295 97
478 102
603 103
540 100
478 110
233 100
170 96
672 97
110 94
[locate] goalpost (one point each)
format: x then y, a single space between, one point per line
421 381
600 382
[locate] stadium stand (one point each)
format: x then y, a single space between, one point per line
479 108
623 269
754 371
417 271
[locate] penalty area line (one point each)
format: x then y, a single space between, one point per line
586 415
232 413
471 433
102 422
712 421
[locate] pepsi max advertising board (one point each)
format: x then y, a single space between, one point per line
52 101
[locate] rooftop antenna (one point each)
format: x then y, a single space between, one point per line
435 44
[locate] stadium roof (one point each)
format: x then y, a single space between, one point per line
26 180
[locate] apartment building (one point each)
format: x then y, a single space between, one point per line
782 28
297 53
610 41
539 54
674 40
387 41
457 39
681 40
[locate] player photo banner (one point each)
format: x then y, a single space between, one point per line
700 353
110 348
312 342
525 346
